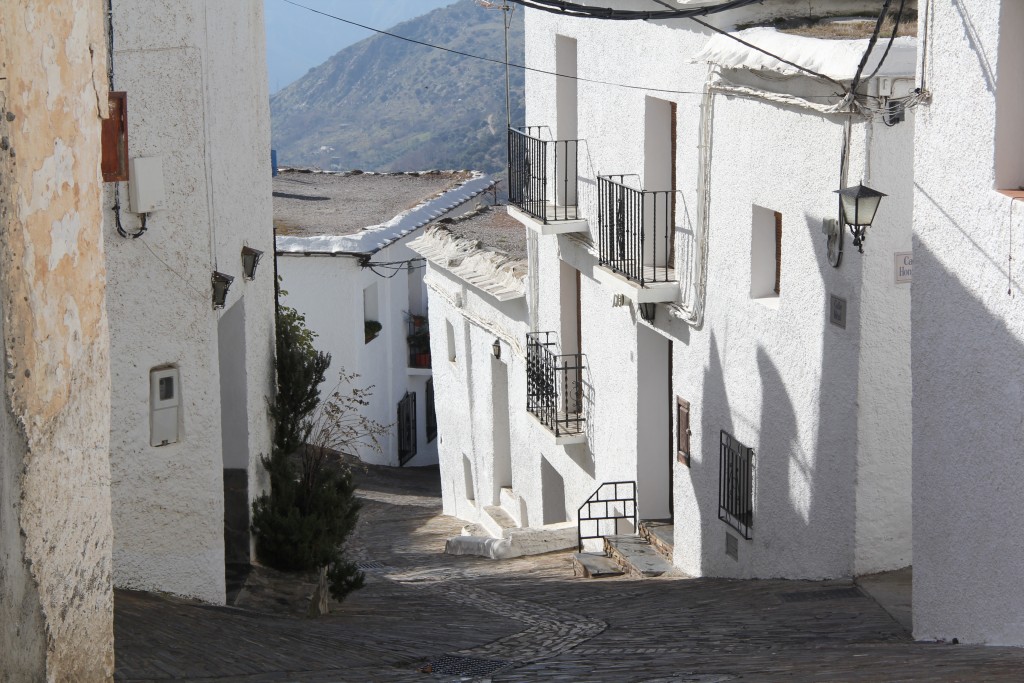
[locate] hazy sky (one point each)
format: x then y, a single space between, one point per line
298 40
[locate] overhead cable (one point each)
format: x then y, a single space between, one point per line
523 67
575 9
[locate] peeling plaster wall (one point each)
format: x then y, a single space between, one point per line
56 600
968 333
194 74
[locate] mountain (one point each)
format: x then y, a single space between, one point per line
385 104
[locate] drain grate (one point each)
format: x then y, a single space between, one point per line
822 595
370 564
465 666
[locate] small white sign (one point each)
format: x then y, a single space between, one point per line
903 266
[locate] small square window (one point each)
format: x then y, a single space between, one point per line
765 254
166 388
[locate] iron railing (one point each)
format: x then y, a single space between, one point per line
418 339
635 230
407 428
554 385
612 501
735 485
542 175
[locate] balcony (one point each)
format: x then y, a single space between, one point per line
543 186
418 339
555 391
635 241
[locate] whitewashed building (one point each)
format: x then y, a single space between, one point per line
968 326
345 264
187 207
689 333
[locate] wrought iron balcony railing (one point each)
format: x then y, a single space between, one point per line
554 386
542 175
635 230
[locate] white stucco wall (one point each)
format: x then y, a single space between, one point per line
328 290
832 482
195 78
967 337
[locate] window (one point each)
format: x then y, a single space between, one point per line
451 340
1009 129
735 485
683 431
431 412
407 428
765 253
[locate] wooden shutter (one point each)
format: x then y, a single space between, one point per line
114 139
683 431
778 250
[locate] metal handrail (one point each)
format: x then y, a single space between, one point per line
623 500
542 175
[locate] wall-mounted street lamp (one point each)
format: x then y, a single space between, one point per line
857 210
250 259
496 349
221 285
647 312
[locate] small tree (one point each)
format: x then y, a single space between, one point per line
311 509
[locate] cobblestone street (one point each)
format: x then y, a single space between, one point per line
425 616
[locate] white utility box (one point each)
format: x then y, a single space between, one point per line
164 406
146 184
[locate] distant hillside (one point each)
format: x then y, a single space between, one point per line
384 104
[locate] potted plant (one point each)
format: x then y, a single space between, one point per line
371 328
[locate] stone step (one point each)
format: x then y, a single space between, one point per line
658 532
509 501
636 556
516 542
496 521
594 566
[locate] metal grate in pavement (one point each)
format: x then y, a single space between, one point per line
822 595
370 564
465 666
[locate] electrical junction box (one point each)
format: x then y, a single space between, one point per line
164 406
146 184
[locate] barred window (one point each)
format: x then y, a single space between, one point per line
735 485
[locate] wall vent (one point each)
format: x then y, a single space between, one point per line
732 547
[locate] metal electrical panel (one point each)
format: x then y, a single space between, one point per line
146 184
164 406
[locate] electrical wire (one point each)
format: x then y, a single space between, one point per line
572 9
520 66
892 39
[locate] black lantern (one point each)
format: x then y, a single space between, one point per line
857 209
647 312
221 285
250 259
496 349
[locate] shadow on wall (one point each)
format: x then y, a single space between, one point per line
968 385
804 497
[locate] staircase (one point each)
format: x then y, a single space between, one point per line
498 535
642 555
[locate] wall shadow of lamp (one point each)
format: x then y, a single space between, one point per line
857 208
496 349
250 259
647 311
221 285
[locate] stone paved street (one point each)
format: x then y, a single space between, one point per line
526 619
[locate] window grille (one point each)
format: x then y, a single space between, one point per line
407 428
431 412
735 485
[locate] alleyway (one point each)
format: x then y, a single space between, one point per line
526 620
